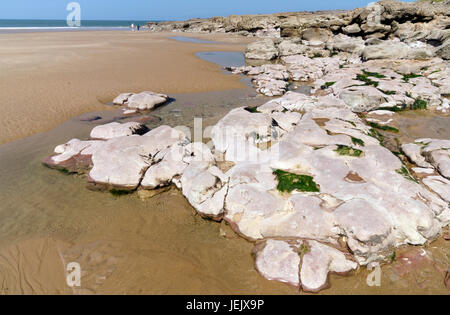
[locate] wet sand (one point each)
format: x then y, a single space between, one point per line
47 78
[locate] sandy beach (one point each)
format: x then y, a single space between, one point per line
47 78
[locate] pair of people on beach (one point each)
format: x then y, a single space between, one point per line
133 26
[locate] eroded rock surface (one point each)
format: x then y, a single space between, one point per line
141 101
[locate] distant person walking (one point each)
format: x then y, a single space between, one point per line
132 27
138 27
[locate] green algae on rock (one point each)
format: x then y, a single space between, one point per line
346 150
287 182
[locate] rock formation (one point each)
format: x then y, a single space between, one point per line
311 182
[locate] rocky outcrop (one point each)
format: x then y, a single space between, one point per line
379 20
444 50
115 130
342 199
262 50
430 153
142 101
146 100
318 262
398 50
279 260
308 177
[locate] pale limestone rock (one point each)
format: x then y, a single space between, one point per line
174 161
72 148
115 130
261 50
278 261
290 47
318 262
439 185
249 204
413 152
74 156
238 125
146 100
351 29
397 50
422 170
122 162
205 187
316 34
304 217
122 98
354 45
430 153
362 98
287 120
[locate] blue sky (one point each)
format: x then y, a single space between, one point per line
162 9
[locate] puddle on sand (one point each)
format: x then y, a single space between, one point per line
223 58
422 124
416 124
192 40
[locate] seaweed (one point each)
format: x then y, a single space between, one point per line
383 127
374 74
375 134
419 104
365 78
346 150
405 173
393 108
252 109
120 192
288 182
327 85
64 171
389 92
303 249
357 141
348 121
393 256
407 77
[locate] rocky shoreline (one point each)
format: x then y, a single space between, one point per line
309 178
386 19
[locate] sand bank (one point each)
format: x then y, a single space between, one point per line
46 78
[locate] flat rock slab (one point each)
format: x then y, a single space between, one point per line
430 153
122 98
115 130
122 162
146 100
318 262
279 261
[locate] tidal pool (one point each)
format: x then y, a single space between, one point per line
192 40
